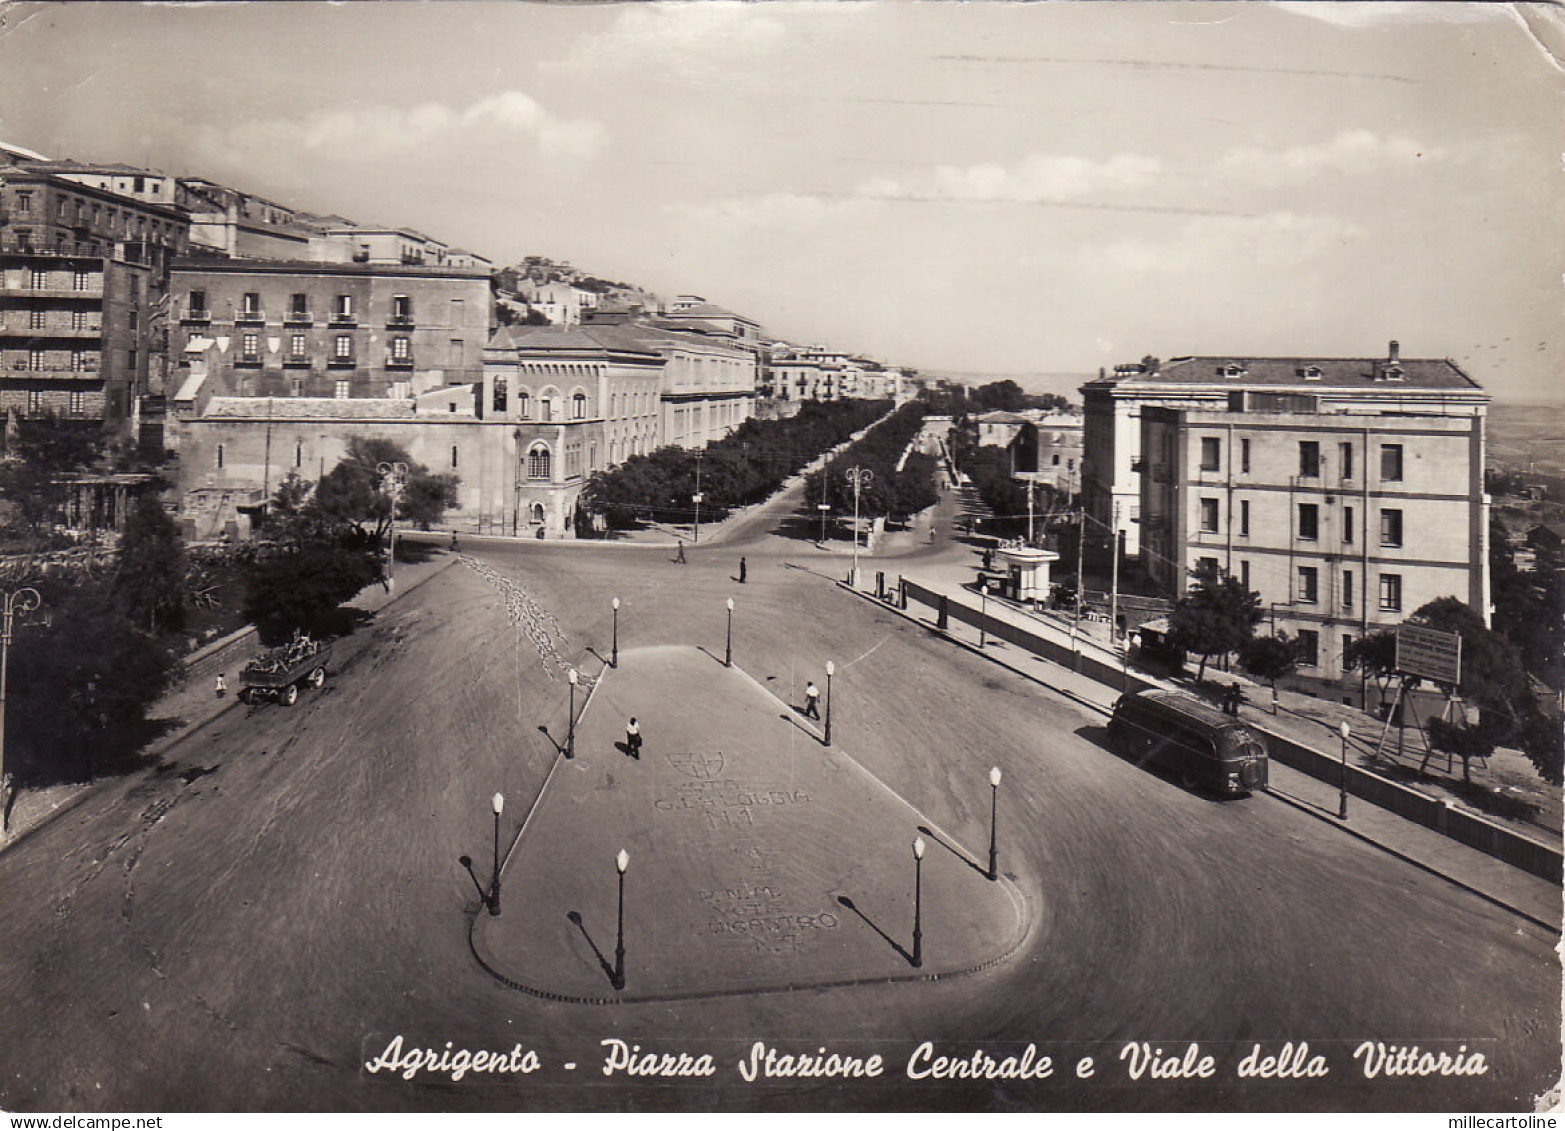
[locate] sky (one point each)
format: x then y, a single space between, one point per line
990 188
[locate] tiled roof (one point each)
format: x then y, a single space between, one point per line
316 267
1333 372
308 408
606 336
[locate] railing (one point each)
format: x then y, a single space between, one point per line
404 320
298 318
249 317
340 319
399 363
342 363
196 316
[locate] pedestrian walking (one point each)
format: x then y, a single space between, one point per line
633 738
453 541
222 685
742 571
1235 697
679 558
812 698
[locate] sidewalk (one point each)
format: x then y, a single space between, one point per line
1531 896
194 704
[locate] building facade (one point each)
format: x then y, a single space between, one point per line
1114 402
1344 522
342 330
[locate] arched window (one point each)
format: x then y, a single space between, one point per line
538 463
538 509
523 408
579 406
499 394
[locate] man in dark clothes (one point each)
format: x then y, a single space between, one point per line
679 558
742 571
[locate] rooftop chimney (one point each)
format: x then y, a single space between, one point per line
1396 349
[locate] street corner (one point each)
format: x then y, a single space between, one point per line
737 855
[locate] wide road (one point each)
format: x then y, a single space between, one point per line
247 926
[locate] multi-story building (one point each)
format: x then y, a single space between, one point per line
713 318
1344 518
82 274
300 329
1113 404
708 386
576 400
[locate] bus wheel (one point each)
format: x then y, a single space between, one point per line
1187 777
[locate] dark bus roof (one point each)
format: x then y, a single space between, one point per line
1190 707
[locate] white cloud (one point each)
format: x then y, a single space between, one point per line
682 36
375 131
1349 152
1037 177
773 211
1216 246
1374 13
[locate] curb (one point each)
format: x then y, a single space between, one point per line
1304 806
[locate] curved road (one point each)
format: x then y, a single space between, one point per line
246 926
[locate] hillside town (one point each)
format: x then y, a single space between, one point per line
405 649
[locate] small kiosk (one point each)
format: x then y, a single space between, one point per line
1029 571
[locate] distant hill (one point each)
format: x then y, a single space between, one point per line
1067 385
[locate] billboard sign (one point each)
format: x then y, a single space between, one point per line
1429 653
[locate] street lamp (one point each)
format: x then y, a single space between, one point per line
728 650
614 662
1342 800
983 615
860 477
498 803
831 669
24 600
396 475
918 901
621 862
823 508
994 809
570 734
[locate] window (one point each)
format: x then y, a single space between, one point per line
457 350
1390 528
298 453
79 320
538 463
1309 585
342 347
251 349
298 306
1347 589
401 349
579 406
198 304
34 401
522 407
40 280
130 362
344 390
1309 648
499 397
1309 521
35 359
37 319
342 306
250 303
1345 459
1209 516
78 402
401 308
1244 456
296 346
1309 459
1211 453
24 204
1347 526
79 361
1391 592
1347 646
1244 518
1391 462
220 456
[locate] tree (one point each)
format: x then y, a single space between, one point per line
354 493
150 577
1217 617
302 586
1492 680
43 453
1270 658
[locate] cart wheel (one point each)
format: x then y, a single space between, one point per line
244 695
289 695
317 678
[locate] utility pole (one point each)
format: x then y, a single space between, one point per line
697 496
1029 512
1081 554
1114 586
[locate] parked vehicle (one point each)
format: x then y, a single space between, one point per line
1192 739
278 673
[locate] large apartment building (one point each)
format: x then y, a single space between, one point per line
82 278
1343 504
301 329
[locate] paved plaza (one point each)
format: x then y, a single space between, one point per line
759 859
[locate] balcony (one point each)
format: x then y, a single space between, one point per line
342 363
399 363
60 372
293 361
298 318
249 318
340 319
399 322
197 317
49 332
248 361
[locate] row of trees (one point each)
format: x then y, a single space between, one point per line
996 396
744 467
886 492
1218 617
989 469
